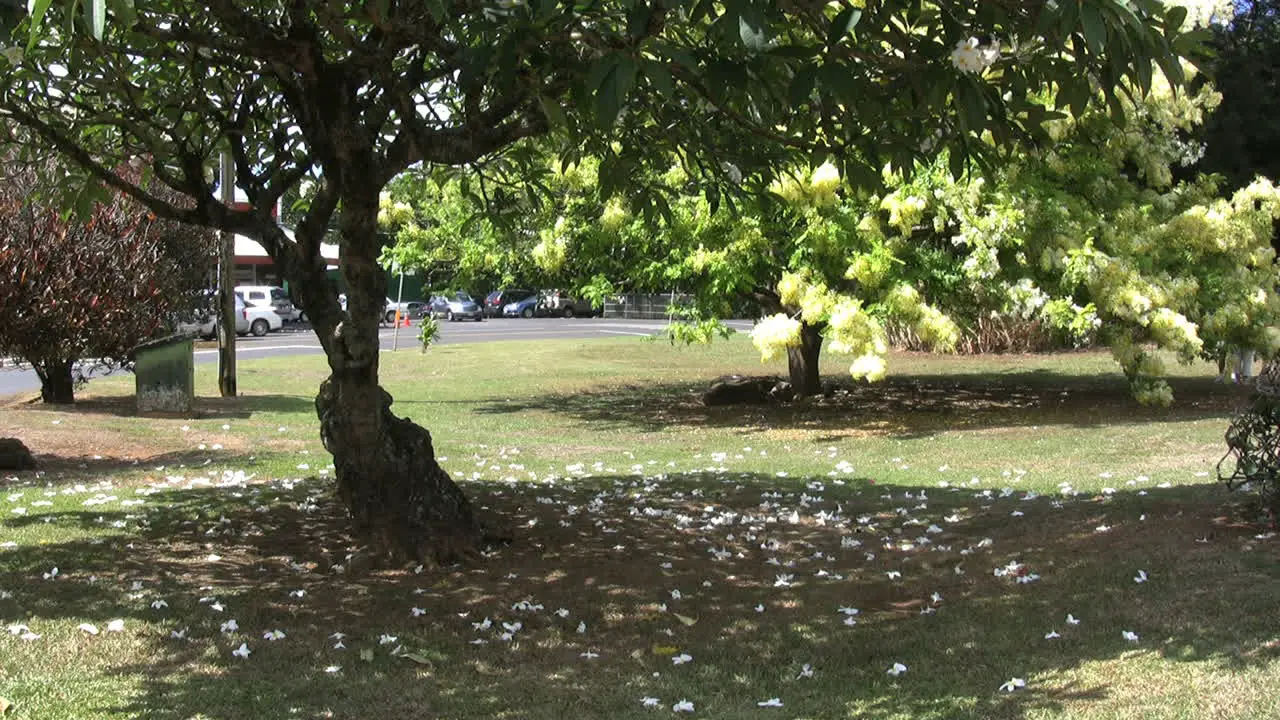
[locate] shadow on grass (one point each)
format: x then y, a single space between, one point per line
240 407
908 405
612 550
89 468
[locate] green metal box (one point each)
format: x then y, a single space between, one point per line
165 372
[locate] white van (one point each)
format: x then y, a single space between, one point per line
273 298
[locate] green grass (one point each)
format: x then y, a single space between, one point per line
623 488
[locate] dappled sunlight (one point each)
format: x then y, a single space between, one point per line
906 405
612 580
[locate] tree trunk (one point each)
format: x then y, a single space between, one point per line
399 498
57 386
803 362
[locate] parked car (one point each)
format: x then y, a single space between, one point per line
557 303
409 308
460 306
249 319
549 303
496 301
526 308
272 297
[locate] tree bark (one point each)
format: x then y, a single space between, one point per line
803 362
57 385
398 497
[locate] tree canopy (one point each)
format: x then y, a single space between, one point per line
347 95
1242 139
1087 236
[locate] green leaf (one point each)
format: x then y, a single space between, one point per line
38 10
125 12
713 197
793 52
637 19
660 78
417 657
754 33
801 90
843 24
614 88
860 175
1144 75
553 111
1068 17
1173 20
96 12
1095 29
1117 111
957 162
973 106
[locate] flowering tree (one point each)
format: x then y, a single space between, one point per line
1088 236
354 93
91 286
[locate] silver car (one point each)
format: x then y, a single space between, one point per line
459 307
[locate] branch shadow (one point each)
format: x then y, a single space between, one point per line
204 407
612 550
911 406
65 468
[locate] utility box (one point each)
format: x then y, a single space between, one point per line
165 372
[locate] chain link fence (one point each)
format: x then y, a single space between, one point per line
645 307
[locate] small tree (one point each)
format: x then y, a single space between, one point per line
89 286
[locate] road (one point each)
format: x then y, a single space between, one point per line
299 340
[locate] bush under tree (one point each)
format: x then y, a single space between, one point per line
80 290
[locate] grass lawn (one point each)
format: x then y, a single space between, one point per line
952 521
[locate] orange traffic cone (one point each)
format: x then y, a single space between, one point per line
406 321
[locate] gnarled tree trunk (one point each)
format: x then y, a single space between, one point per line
399 498
802 362
57 385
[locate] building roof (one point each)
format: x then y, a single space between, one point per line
249 252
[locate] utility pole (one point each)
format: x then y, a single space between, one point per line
395 332
226 288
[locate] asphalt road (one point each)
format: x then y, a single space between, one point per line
299 340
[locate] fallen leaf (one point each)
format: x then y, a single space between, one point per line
420 659
686 620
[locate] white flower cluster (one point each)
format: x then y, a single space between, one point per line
550 252
973 57
774 334
853 331
1174 331
613 217
1025 299
931 324
905 211
819 189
